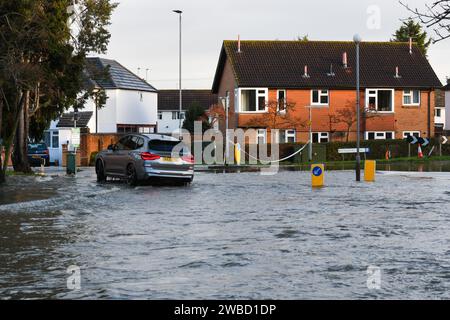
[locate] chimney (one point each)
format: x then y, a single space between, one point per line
345 60
397 74
410 45
239 44
306 75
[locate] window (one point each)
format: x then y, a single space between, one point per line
286 136
55 139
126 143
411 97
182 115
320 137
319 97
145 130
281 99
174 115
51 139
381 100
133 128
136 143
389 135
261 136
159 115
290 136
406 134
438 112
253 100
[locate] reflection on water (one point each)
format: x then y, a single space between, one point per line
413 166
230 236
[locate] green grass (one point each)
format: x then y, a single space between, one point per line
13 173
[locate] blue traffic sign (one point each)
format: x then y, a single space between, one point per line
317 171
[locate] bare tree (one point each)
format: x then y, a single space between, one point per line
435 16
348 116
279 115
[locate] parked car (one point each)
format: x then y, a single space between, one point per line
38 154
141 157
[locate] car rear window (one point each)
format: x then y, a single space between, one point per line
163 146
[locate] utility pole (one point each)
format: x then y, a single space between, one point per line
179 12
357 40
310 151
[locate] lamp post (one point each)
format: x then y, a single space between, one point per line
179 12
357 39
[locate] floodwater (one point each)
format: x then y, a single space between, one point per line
227 236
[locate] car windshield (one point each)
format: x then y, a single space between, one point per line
37 147
166 147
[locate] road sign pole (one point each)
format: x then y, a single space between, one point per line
409 150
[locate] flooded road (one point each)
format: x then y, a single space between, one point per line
228 236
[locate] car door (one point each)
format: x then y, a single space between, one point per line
124 157
113 158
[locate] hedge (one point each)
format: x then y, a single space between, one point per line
378 148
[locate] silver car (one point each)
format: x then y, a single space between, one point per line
140 157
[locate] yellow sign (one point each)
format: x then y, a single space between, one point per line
237 153
317 175
370 167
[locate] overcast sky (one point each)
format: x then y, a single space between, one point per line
145 32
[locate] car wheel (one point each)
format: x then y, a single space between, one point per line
101 177
131 175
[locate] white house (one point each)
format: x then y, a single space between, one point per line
447 104
131 107
169 106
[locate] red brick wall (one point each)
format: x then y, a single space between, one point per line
95 142
403 119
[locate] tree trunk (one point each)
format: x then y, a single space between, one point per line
20 153
2 179
9 140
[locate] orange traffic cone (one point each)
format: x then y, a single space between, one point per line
419 152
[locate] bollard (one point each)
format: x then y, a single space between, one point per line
317 175
237 153
42 173
370 167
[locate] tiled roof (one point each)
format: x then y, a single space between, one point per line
280 64
119 76
66 120
447 87
168 100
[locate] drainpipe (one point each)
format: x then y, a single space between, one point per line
429 113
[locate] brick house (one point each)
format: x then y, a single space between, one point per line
397 88
446 90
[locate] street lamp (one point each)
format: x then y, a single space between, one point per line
357 39
179 12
